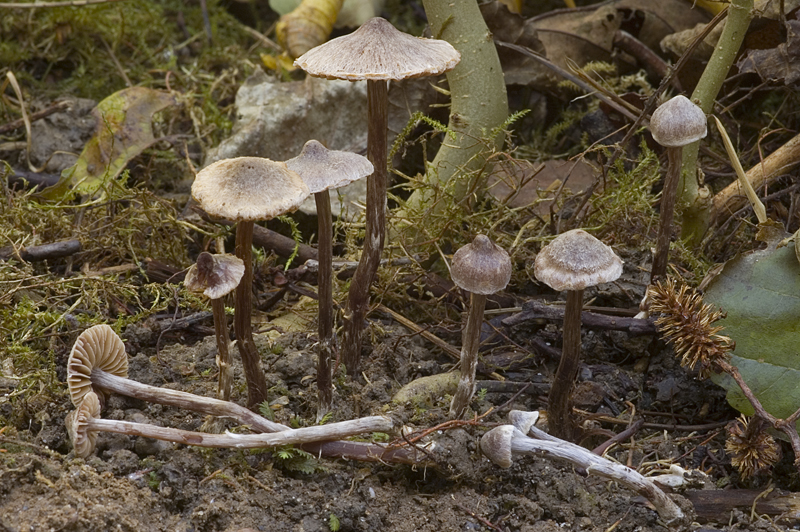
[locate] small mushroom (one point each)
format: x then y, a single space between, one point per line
246 189
481 268
215 276
97 348
674 124
378 53
573 261
84 423
323 169
501 444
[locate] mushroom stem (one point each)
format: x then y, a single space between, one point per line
325 290
225 385
559 409
256 383
469 355
669 196
332 431
592 463
358 296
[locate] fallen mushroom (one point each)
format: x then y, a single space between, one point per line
674 124
86 421
501 443
215 276
322 170
481 268
246 189
375 52
573 261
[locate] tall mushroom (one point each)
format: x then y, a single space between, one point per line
674 124
323 169
573 261
378 53
215 276
246 189
481 268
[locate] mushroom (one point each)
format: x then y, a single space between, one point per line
572 261
84 423
378 53
501 444
674 124
323 169
481 268
215 276
246 189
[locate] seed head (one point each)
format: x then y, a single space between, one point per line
751 447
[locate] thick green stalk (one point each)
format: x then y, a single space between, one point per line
694 199
477 94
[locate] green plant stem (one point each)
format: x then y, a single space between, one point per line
559 402
695 199
478 101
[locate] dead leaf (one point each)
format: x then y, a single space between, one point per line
781 63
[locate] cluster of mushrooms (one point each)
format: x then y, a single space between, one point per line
248 189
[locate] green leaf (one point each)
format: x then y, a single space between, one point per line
760 292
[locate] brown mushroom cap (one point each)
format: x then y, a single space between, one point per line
96 347
481 267
678 122
378 51
248 189
496 445
575 260
214 275
323 169
83 440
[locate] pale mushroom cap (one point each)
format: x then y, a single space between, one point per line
481 267
77 421
496 445
248 189
96 347
522 420
378 51
323 169
678 122
575 260
214 275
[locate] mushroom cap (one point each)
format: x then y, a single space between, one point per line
322 168
214 275
248 189
481 267
96 347
77 421
496 445
678 122
378 51
522 420
575 260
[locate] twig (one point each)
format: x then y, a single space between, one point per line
53 250
38 115
536 310
74 3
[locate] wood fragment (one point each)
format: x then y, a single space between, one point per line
716 505
536 310
53 250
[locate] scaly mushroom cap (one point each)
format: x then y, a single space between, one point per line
77 421
96 347
481 267
496 445
214 275
678 122
248 189
575 260
323 169
378 51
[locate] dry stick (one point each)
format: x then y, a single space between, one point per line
53 250
332 431
536 310
38 115
358 296
75 3
256 383
325 293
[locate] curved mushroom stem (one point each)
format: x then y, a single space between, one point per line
469 355
325 291
256 383
331 431
358 296
559 402
669 196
